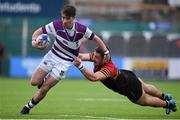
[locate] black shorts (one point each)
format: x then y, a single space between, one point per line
126 84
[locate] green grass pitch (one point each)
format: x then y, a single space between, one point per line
79 99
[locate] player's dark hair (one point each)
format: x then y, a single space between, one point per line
100 51
69 10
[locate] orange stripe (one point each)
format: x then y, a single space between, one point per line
106 72
102 71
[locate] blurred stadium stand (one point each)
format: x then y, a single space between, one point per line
137 45
123 9
174 48
117 45
158 45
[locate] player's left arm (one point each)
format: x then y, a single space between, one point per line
100 43
103 47
91 36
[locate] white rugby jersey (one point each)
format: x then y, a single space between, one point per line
66 46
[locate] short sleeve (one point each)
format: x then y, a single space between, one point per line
106 72
49 29
89 34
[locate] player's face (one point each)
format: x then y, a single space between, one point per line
67 21
98 59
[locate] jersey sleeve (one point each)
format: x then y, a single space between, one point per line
109 70
106 72
49 29
89 34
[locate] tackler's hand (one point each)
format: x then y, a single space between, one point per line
106 56
77 62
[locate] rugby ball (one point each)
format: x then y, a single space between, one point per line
43 40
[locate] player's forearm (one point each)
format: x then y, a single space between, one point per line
100 43
88 75
34 37
37 33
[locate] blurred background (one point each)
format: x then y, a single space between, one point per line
143 35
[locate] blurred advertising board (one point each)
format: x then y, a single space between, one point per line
154 68
27 8
150 68
23 66
174 68
146 68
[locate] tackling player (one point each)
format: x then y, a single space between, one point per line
124 82
68 35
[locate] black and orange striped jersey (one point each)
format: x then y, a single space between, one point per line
109 69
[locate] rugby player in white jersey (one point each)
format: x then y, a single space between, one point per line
68 35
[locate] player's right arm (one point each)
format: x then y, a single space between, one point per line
46 29
99 75
37 33
34 37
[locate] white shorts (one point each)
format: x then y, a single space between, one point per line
55 66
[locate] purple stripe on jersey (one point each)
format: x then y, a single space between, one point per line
74 52
56 48
58 25
62 34
81 28
78 36
44 30
92 36
53 51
